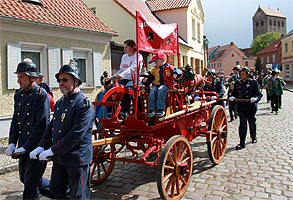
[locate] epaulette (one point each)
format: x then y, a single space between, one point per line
87 102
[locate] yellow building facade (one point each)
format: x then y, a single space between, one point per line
287 57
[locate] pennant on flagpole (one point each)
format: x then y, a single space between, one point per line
152 37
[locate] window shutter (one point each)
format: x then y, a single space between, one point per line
54 65
67 56
13 58
97 62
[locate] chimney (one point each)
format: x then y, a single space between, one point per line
218 46
231 43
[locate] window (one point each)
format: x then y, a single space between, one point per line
286 47
198 33
270 22
278 23
274 22
274 58
237 62
34 56
261 23
256 23
193 30
246 63
268 59
282 24
232 55
261 60
217 64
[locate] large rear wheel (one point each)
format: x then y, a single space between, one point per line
174 168
218 134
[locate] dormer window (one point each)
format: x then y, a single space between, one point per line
35 2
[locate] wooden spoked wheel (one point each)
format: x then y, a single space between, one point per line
218 134
102 165
174 168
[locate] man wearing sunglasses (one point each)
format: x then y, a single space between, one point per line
68 139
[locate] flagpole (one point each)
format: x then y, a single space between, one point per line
135 96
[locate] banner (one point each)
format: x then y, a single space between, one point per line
152 37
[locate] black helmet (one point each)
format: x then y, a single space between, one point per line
236 67
245 69
274 73
28 68
188 67
211 73
269 71
70 69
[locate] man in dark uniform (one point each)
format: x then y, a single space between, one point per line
30 118
275 90
230 85
68 138
246 88
215 85
40 82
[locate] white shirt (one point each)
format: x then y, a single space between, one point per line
128 66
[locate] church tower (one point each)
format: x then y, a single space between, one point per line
267 20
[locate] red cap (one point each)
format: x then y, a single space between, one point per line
158 55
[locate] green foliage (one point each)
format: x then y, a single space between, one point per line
257 66
262 41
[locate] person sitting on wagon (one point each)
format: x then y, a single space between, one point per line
162 77
215 85
128 66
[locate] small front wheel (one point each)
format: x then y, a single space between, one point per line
174 168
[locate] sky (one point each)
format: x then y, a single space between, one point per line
231 20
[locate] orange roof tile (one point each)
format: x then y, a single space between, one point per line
73 13
272 47
159 5
132 6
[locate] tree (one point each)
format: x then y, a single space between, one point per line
257 66
262 41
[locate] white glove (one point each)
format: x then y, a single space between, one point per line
197 98
10 149
232 98
45 154
214 98
35 152
175 76
189 98
253 99
19 150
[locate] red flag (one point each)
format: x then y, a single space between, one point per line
152 37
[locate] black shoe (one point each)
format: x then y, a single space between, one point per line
254 141
276 112
240 146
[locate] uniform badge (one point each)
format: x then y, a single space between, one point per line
62 117
167 73
247 85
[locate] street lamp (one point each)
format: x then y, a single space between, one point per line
206 51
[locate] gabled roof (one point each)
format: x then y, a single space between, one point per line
272 12
220 52
159 5
64 13
275 46
132 6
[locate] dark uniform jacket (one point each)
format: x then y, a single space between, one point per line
69 134
216 86
275 86
47 88
247 90
30 118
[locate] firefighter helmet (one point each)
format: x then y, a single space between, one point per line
28 68
70 69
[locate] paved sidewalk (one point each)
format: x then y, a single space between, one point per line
260 171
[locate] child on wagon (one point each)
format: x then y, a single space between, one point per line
162 77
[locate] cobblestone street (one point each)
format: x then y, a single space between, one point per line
260 171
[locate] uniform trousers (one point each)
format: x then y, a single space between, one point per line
233 110
247 116
275 102
76 177
30 173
